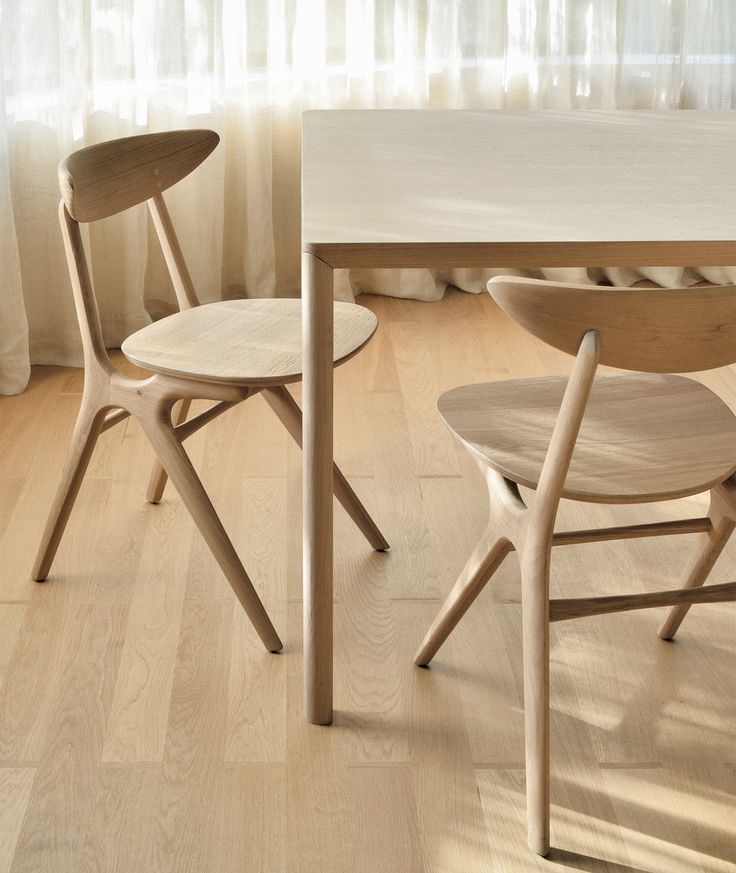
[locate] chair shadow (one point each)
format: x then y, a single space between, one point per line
576 861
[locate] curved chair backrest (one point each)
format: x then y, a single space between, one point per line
104 179
107 178
656 330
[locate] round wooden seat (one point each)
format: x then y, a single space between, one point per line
251 342
643 438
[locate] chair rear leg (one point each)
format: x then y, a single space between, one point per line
487 557
157 482
179 468
86 431
535 633
355 509
709 547
290 415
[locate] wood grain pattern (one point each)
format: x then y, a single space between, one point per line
658 330
444 810
255 731
106 178
241 342
136 726
193 751
401 188
15 791
11 622
644 437
254 816
66 788
32 676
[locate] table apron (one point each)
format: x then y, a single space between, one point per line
641 253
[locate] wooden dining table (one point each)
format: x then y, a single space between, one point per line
517 189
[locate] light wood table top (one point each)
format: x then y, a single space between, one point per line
401 188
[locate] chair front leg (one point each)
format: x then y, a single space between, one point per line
535 558
86 431
487 557
176 462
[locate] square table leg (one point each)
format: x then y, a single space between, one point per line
317 343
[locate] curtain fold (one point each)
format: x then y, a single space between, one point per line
15 366
76 72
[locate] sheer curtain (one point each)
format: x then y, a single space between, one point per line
78 71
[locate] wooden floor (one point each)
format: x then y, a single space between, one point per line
142 727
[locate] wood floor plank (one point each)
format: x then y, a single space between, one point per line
256 708
31 688
253 827
56 831
137 724
122 829
433 453
12 616
120 526
15 791
398 503
375 368
10 490
585 836
384 836
678 818
20 538
373 682
488 679
26 423
187 833
318 810
452 832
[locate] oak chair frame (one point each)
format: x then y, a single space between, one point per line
696 330
97 182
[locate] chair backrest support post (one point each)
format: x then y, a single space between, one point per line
562 442
88 316
183 286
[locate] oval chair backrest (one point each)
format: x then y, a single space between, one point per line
107 178
656 330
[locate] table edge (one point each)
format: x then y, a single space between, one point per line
588 253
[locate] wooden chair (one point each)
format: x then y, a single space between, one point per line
223 352
631 438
